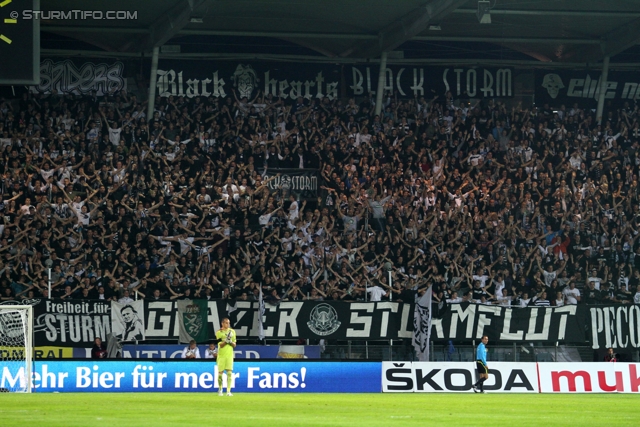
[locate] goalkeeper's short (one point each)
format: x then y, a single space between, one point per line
224 363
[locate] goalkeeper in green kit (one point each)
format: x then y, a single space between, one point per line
226 343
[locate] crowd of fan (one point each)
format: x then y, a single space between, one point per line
486 203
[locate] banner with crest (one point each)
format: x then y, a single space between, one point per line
75 323
422 326
192 320
568 87
302 183
286 80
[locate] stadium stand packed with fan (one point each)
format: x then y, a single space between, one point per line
488 202
255 211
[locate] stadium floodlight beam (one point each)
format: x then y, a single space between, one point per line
484 12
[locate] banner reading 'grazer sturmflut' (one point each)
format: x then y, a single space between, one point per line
76 323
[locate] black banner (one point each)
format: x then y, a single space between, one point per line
416 81
616 326
69 323
557 87
67 77
293 320
503 324
220 79
302 183
308 80
77 323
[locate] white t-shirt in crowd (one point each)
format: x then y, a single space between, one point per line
549 277
187 351
114 136
595 280
504 301
482 279
571 295
375 293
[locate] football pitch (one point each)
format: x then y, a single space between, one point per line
258 409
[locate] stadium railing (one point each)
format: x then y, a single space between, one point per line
403 351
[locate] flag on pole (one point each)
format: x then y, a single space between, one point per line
231 308
422 326
260 315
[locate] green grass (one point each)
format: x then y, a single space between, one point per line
245 409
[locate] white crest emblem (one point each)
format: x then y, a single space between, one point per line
323 320
552 83
245 79
285 182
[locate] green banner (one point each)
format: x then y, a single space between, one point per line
192 315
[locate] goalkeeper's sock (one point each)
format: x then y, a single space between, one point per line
229 379
220 381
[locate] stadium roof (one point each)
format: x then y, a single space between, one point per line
545 31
